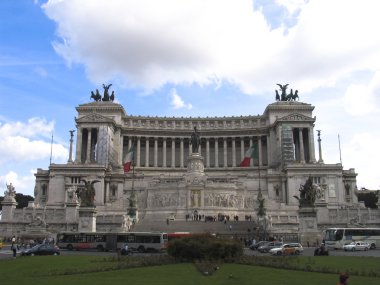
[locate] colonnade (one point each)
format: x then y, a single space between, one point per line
173 152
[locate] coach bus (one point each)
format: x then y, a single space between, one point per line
175 235
137 241
337 237
82 240
142 241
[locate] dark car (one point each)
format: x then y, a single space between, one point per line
257 245
42 249
269 245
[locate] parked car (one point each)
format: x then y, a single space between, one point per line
321 250
257 245
357 245
269 245
287 249
42 249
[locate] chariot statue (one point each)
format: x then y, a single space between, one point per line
284 96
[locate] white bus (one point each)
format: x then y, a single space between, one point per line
137 241
337 237
142 241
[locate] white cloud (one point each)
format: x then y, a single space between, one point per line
151 43
363 99
360 152
28 141
24 184
177 101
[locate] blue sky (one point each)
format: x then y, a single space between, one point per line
186 58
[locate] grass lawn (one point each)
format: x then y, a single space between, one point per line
58 270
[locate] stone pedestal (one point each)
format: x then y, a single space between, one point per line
195 165
8 208
308 228
87 219
72 212
195 180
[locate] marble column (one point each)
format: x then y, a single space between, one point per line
71 146
173 153
260 152
233 152
268 150
181 152
320 160
208 152
302 150
78 150
241 148
88 153
155 152
250 145
138 151
146 151
311 145
164 152
225 152
216 153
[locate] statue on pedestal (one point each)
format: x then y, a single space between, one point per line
87 194
195 141
308 194
10 194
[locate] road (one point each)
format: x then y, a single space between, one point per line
6 253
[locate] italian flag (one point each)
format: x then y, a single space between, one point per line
250 153
128 160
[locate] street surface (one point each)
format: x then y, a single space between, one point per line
6 253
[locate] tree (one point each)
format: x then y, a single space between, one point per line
369 198
21 199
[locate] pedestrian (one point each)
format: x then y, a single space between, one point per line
14 249
343 279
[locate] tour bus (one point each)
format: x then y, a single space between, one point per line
176 235
337 237
137 241
82 240
142 241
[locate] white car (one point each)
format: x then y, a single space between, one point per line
287 249
356 245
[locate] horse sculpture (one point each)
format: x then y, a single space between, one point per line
96 96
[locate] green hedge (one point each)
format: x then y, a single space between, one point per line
204 247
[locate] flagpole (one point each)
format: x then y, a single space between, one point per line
260 194
340 151
51 148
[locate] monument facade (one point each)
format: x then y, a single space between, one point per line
187 166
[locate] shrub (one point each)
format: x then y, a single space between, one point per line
204 247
